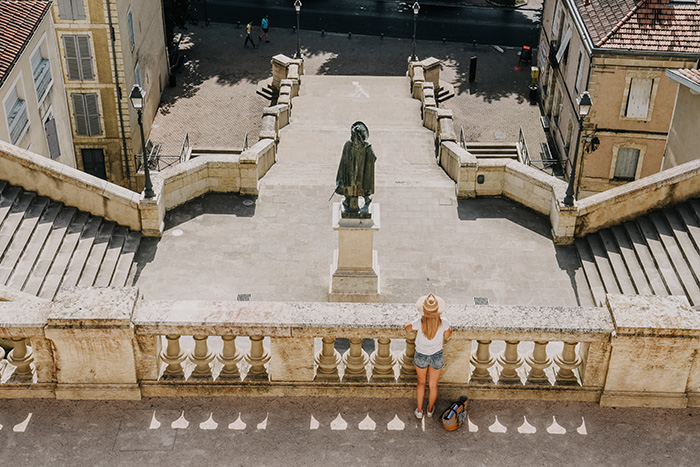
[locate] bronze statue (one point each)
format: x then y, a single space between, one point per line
355 176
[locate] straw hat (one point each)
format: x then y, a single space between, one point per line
430 305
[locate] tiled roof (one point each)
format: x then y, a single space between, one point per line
647 25
18 21
690 74
687 77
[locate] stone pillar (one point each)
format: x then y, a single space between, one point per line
655 347
229 358
93 343
355 270
431 69
538 363
280 64
257 358
328 360
510 361
21 357
408 369
567 361
482 361
383 361
292 359
355 360
201 357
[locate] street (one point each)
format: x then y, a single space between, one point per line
393 18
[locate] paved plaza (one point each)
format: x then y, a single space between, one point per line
339 431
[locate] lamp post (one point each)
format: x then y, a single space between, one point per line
416 8
297 7
137 97
584 106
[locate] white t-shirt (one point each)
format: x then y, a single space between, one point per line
430 346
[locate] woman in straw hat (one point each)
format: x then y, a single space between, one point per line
432 329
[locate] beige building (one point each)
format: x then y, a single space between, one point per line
106 47
34 108
619 53
683 144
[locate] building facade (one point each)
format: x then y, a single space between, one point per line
618 52
34 108
683 137
106 47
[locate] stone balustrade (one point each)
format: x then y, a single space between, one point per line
108 344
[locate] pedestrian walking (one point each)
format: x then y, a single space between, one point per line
432 330
265 27
248 31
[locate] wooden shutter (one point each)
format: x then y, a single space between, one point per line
92 111
639 97
52 138
64 9
72 60
626 165
564 44
131 28
78 9
555 21
83 43
579 73
81 126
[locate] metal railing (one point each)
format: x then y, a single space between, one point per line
158 161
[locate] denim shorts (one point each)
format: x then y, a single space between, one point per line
434 361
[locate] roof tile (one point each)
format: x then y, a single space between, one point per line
18 21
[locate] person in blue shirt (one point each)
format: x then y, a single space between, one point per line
265 26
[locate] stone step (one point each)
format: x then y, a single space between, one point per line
14 220
111 257
660 256
631 261
53 278
8 195
22 236
81 253
49 251
678 260
695 206
688 247
602 263
617 262
592 275
656 282
97 254
126 260
34 247
691 223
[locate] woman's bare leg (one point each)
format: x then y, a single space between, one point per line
433 378
420 388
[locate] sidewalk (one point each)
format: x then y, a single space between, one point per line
230 431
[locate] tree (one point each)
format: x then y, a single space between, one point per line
178 14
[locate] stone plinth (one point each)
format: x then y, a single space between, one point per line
654 348
355 271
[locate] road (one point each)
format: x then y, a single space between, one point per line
458 23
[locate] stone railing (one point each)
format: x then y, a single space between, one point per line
108 344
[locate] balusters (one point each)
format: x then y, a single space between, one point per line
538 363
21 357
355 360
229 358
257 358
327 360
383 361
201 357
408 369
173 356
482 361
510 361
567 361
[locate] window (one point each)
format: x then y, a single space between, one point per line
562 53
131 28
626 164
556 22
579 72
52 136
94 162
78 58
17 118
71 9
137 73
41 72
87 114
639 98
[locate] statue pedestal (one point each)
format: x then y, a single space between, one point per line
355 271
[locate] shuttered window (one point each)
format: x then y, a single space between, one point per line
52 137
137 72
71 9
78 58
563 47
579 72
17 119
87 114
626 165
639 97
41 73
131 28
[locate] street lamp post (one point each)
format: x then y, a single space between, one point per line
297 7
137 97
416 8
584 106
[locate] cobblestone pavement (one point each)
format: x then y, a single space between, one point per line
216 103
236 431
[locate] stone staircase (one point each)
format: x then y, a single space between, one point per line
493 150
656 254
46 246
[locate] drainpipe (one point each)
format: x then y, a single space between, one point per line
119 91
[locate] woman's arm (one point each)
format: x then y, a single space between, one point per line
409 327
447 334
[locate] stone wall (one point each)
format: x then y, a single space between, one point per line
105 343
